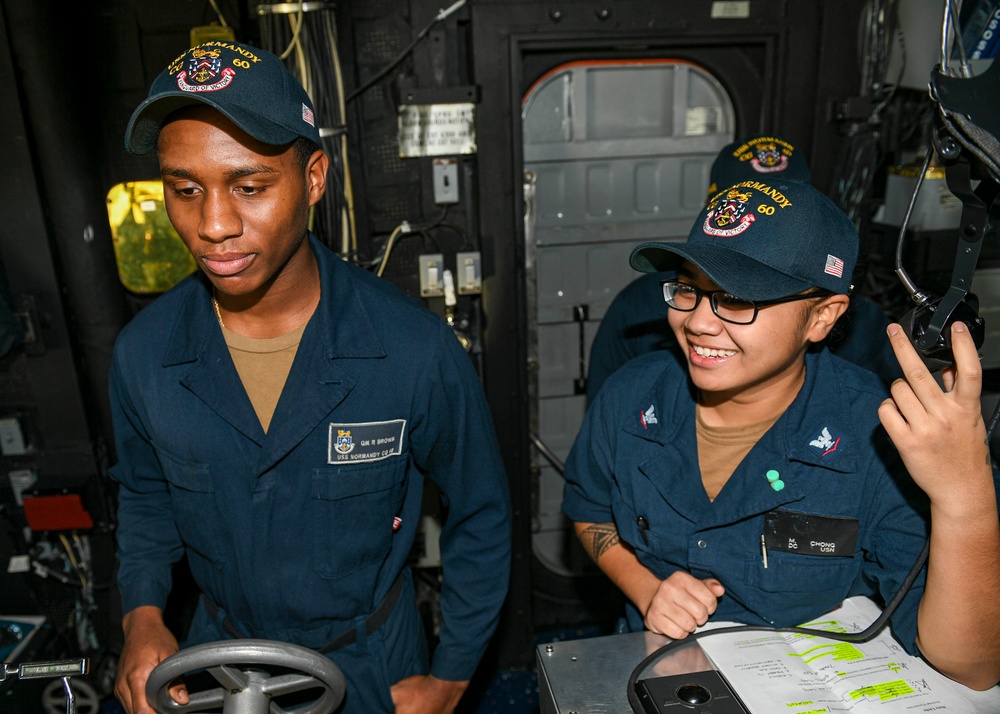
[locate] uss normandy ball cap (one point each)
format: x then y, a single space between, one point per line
763 156
250 86
761 240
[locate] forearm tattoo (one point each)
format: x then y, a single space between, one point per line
598 538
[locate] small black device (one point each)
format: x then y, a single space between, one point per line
934 346
966 139
689 693
928 325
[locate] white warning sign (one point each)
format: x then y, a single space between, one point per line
437 129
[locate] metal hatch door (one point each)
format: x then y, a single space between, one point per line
615 153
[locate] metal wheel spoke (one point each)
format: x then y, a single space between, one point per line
206 699
289 684
229 677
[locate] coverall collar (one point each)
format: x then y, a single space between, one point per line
820 405
340 329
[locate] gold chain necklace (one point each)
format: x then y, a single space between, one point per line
218 315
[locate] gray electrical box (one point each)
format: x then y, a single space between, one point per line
469 273
431 269
445 181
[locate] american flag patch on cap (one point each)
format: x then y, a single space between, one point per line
307 116
834 266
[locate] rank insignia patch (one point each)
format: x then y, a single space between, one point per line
827 443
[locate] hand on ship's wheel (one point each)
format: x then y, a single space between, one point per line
239 666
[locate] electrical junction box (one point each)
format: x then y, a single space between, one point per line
469 273
445 181
431 269
12 441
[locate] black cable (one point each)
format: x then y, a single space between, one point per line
404 54
959 41
411 229
860 156
389 67
916 294
431 225
429 244
458 230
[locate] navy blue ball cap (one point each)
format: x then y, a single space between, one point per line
761 240
250 86
763 156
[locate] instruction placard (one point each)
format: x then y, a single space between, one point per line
437 129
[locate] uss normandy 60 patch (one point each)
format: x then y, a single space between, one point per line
366 442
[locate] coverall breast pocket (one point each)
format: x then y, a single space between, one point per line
192 501
795 588
646 521
354 508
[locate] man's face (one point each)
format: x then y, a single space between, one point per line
241 207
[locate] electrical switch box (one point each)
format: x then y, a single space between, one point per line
445 181
469 273
12 441
431 269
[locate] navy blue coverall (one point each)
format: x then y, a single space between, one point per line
298 534
635 463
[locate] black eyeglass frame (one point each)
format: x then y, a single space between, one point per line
713 300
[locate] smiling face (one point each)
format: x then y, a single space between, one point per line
240 206
760 365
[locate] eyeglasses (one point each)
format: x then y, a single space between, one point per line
728 307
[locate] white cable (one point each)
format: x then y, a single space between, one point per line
443 14
218 12
349 236
296 28
403 227
449 289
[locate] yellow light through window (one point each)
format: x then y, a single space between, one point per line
151 257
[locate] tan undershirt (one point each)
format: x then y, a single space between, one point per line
722 448
263 366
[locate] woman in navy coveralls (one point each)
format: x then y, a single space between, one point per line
820 504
